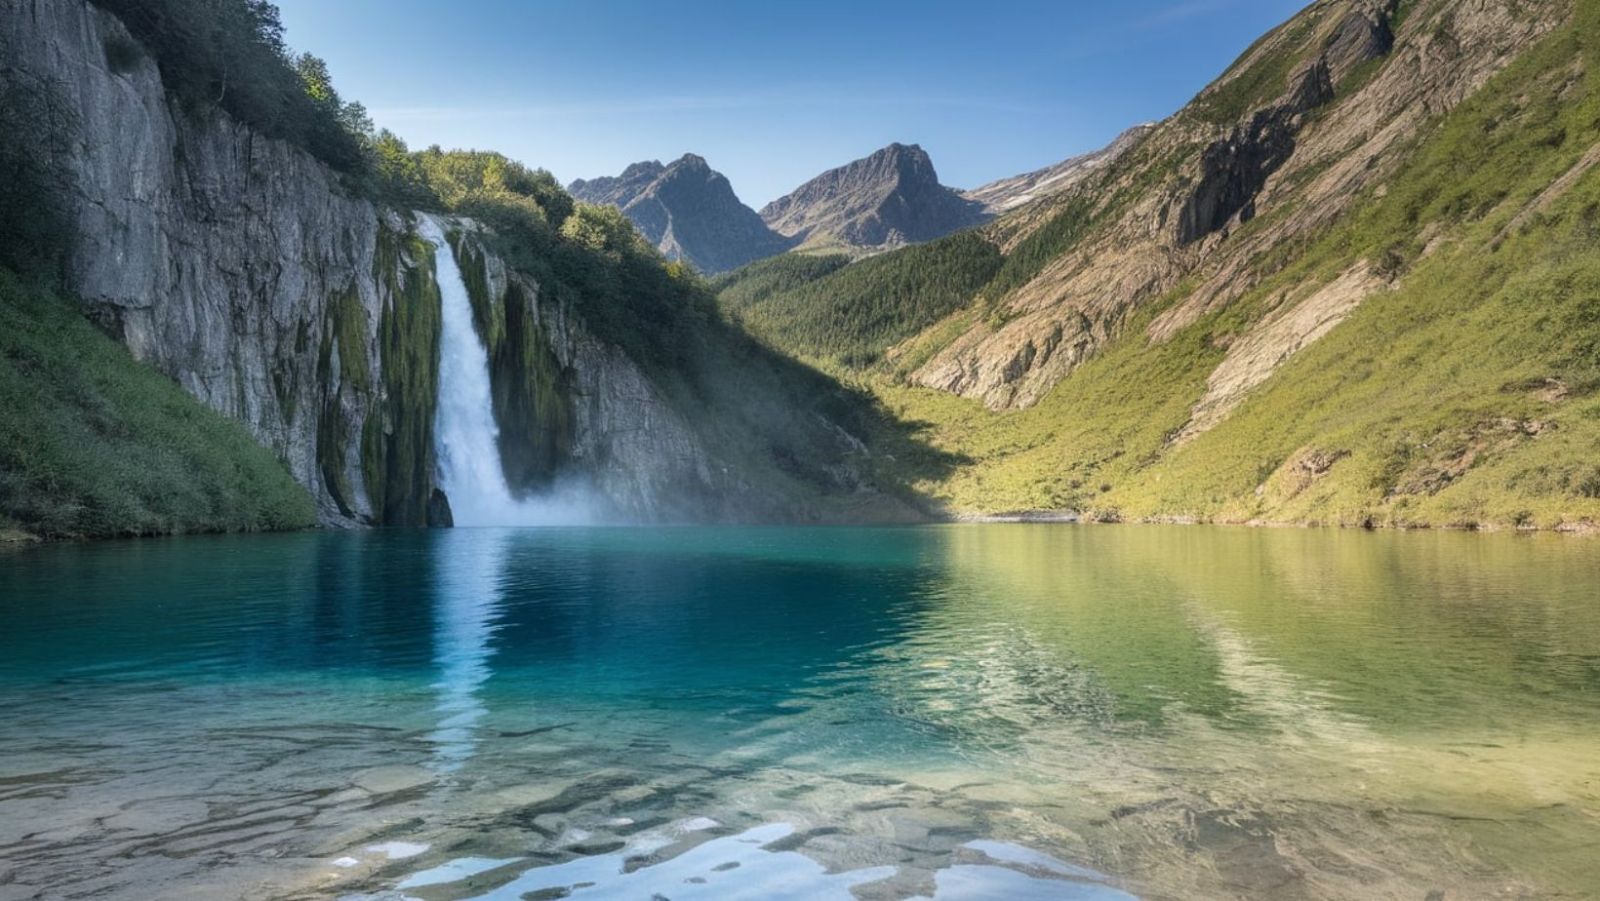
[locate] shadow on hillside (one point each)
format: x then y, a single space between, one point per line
840 439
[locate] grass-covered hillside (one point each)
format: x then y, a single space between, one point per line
1425 353
96 444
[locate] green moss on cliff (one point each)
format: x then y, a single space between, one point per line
487 315
533 398
344 372
94 443
397 437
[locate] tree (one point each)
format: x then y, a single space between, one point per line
602 229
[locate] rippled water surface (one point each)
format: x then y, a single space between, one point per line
1030 711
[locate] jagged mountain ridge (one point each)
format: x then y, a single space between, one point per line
618 190
688 211
1007 194
888 199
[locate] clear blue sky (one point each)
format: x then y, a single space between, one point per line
772 93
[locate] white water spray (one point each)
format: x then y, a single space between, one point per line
466 439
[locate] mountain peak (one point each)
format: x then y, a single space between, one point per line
688 211
910 151
649 167
886 199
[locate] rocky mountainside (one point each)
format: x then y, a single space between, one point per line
1009 193
1322 110
1353 281
889 199
689 212
243 269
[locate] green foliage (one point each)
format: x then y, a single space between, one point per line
94 443
852 314
1039 249
764 279
603 230
397 176
317 82
230 54
461 179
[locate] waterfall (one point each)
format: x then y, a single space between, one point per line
466 439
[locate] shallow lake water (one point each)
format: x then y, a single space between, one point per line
984 711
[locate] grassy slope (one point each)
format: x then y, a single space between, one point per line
94 443
1424 397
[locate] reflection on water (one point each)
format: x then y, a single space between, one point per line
987 711
468 573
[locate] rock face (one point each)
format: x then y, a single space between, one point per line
1286 141
689 211
1363 34
1234 169
243 269
229 262
888 199
1255 355
1010 193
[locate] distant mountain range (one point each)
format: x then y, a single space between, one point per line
888 199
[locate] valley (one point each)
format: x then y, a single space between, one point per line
1349 284
381 521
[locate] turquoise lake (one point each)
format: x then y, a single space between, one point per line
965 711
